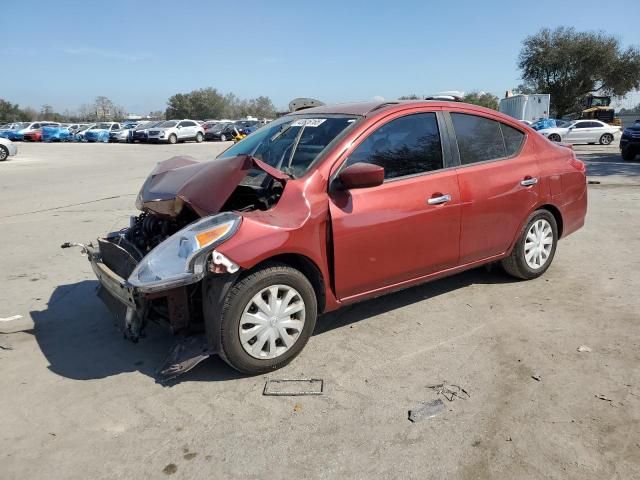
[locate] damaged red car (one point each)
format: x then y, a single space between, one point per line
329 206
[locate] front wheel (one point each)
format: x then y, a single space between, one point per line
554 137
173 139
628 154
534 251
199 137
223 138
267 319
4 153
606 139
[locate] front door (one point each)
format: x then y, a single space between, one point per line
498 177
409 226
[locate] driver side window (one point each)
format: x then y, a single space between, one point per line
404 146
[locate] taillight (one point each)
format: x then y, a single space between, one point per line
578 164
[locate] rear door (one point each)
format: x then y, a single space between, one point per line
409 226
498 177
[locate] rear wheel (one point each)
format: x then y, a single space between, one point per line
554 137
534 251
628 153
199 137
606 139
4 153
173 139
267 319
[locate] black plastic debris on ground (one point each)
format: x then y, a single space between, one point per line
427 410
293 388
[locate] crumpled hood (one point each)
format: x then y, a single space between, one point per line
204 186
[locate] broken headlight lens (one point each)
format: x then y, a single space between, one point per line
181 258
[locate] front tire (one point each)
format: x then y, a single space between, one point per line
606 139
534 251
173 139
4 153
628 154
223 138
267 319
199 138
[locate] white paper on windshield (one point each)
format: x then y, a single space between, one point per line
308 122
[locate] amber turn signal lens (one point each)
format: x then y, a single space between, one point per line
210 236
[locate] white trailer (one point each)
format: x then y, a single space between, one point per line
526 107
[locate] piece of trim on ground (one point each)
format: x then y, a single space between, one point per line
294 388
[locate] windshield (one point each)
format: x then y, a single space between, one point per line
292 143
168 124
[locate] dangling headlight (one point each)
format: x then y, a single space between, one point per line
181 258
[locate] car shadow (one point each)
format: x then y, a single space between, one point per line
77 335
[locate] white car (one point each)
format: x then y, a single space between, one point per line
582 131
174 131
7 148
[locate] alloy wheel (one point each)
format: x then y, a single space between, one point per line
272 322
538 244
606 139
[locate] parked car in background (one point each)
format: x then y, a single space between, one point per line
582 131
122 134
326 207
80 133
56 134
630 141
141 132
100 132
18 135
222 132
7 149
32 135
549 123
174 131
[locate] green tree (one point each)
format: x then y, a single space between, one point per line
482 99
570 65
11 112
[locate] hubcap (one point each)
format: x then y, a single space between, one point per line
538 244
606 139
272 322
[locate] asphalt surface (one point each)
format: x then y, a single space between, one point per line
77 401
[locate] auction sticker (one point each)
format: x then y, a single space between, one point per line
308 122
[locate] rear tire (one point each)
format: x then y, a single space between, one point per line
239 304
199 137
223 138
606 139
554 137
4 153
173 139
521 262
628 154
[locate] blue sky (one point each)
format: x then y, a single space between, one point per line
138 54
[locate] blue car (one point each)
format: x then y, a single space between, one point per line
100 133
12 128
56 134
548 123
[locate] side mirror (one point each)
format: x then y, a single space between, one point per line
361 175
179 127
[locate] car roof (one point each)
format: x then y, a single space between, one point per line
367 109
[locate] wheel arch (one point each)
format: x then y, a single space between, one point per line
555 211
303 264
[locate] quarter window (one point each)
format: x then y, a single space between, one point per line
404 146
513 139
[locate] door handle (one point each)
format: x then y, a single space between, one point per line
527 182
439 200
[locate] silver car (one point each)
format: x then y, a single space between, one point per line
174 131
7 148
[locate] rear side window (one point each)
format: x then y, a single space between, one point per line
404 146
479 138
513 139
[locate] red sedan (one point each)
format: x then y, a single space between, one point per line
33 136
329 206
